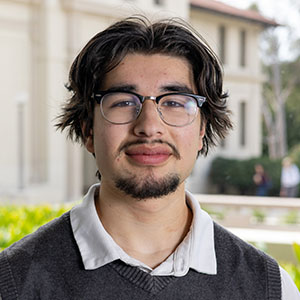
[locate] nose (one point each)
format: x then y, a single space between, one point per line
149 123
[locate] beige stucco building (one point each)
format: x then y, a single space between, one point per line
40 38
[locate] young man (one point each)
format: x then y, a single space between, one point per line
146 100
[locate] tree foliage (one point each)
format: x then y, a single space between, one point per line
293 106
274 98
281 92
18 221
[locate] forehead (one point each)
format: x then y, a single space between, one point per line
154 70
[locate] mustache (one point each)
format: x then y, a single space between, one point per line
175 151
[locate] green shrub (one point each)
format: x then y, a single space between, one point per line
295 154
18 221
294 270
219 215
259 215
233 176
291 217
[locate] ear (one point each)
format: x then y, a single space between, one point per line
201 134
89 143
88 140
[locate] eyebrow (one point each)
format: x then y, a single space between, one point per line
172 87
122 88
177 87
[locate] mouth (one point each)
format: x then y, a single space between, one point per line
147 155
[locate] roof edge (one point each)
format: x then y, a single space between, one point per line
220 8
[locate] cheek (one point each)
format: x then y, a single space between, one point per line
190 144
107 140
103 152
194 144
103 144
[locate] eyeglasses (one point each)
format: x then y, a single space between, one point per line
175 109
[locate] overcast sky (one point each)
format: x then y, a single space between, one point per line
284 12
270 8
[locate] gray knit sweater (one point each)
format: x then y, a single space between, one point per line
47 265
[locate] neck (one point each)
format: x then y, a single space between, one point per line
148 230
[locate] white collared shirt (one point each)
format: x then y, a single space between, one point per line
196 251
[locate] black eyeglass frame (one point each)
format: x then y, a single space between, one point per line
100 94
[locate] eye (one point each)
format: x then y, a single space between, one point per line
172 103
119 101
176 101
123 103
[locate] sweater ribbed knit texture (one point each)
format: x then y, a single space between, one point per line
47 265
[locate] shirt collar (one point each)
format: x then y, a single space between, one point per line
97 247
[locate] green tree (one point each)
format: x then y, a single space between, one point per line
281 89
275 95
293 106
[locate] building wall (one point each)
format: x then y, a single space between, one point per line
39 40
15 69
243 84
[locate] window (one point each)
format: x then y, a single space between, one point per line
242 123
222 44
242 48
159 2
222 144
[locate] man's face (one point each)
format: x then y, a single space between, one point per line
146 158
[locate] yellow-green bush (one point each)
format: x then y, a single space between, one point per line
294 270
18 221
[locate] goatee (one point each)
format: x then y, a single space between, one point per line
146 188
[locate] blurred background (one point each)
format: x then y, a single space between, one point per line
240 182
258 47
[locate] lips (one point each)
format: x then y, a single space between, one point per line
146 155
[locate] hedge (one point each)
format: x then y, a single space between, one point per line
18 221
294 270
233 176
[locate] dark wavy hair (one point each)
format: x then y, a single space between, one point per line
138 35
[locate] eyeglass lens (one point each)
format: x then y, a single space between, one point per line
122 108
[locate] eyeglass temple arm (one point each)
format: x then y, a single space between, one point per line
97 97
200 100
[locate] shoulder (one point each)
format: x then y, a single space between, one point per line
245 261
36 249
225 241
41 239
26 262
